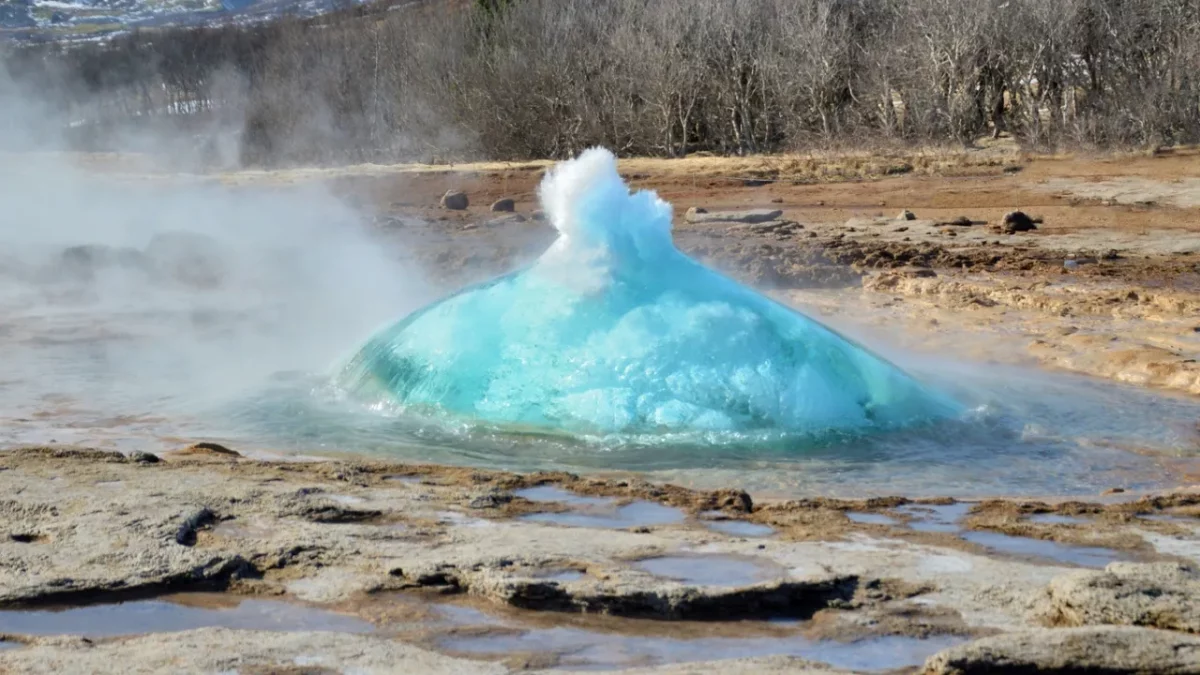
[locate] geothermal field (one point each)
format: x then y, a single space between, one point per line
649 416
654 337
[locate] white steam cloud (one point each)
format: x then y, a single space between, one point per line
142 293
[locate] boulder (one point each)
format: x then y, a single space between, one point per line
701 215
1157 595
455 200
906 215
1017 221
1093 649
82 262
505 205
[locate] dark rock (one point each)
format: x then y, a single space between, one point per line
505 205
906 215
144 457
455 200
1017 221
82 262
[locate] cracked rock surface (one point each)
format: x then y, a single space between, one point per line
86 526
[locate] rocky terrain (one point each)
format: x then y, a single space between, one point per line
1101 275
803 586
229 560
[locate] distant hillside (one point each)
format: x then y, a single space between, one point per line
49 20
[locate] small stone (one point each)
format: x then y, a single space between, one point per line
186 534
144 457
906 215
455 200
209 448
505 205
1017 221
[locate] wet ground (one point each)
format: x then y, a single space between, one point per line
396 558
845 555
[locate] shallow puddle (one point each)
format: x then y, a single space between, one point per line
740 528
870 518
711 570
1056 519
178 613
460 615
583 649
935 517
1083 556
636 514
550 493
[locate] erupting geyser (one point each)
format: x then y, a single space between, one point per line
613 330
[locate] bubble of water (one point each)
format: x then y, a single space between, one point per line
615 331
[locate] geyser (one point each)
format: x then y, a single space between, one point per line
614 331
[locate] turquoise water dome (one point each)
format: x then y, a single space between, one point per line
615 331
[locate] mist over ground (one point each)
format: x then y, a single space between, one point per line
157 285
